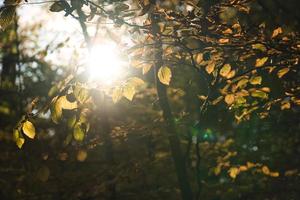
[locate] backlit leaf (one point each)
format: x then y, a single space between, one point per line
20 142
223 40
233 172
81 155
225 70
260 61
256 80
242 83
78 133
146 68
164 75
276 32
259 94
259 46
117 94
229 99
28 129
129 91
265 170
210 67
282 72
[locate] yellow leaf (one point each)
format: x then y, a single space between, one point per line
276 32
265 170
227 31
229 99
285 105
233 172
78 133
250 164
117 94
210 67
198 58
274 174
128 92
146 68
225 70
282 72
135 81
242 83
66 104
259 94
243 168
81 155
28 129
223 40
260 61
217 170
164 75
256 80
20 142
260 47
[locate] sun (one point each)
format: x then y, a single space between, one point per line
105 64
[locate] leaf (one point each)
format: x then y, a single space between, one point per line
276 32
28 129
129 91
265 170
282 72
164 75
210 67
81 155
256 80
242 83
229 99
135 81
43 174
217 170
233 172
56 111
225 70
20 142
7 15
81 94
259 94
198 58
78 133
146 68
121 7
66 104
285 105
260 61
274 174
223 40
243 168
117 94
259 46
57 7
217 100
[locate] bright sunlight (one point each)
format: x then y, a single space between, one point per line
105 64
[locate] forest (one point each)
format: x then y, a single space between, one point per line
149 99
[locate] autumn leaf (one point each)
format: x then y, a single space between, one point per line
233 172
28 129
276 32
259 46
223 40
81 155
256 80
242 83
164 75
20 142
210 67
129 91
225 70
117 94
229 99
146 68
285 105
78 133
282 72
265 170
260 61
259 94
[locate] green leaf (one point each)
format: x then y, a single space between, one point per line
56 111
256 80
260 61
80 93
78 133
28 129
225 70
164 75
